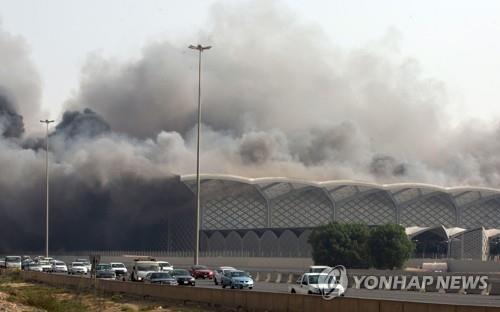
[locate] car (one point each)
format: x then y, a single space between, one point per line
201 271
165 266
236 279
219 272
164 278
141 268
34 266
59 267
183 277
2 262
119 268
316 283
13 262
104 271
25 263
78 268
45 265
86 263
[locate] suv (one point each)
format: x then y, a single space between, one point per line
141 268
219 272
119 268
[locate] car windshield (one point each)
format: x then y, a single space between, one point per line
164 264
239 274
313 279
44 262
160 275
77 264
200 267
148 267
13 259
59 263
180 272
102 267
117 265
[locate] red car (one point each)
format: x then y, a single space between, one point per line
201 271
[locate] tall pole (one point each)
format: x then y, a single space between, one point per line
47 122
200 49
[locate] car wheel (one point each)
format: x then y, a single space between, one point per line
309 292
250 287
215 281
293 291
232 286
241 286
223 286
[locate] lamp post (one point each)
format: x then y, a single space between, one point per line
200 49
47 122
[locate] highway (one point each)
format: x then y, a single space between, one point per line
408 296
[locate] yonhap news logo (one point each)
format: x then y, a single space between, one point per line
333 282
404 282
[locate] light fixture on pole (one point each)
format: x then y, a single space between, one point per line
47 122
200 49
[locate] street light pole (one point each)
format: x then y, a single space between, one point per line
200 49
47 122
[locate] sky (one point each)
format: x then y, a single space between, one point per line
455 42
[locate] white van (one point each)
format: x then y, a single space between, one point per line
13 262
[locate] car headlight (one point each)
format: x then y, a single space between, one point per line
139 278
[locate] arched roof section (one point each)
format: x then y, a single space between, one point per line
437 231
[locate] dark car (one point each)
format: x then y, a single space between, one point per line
104 270
201 271
183 277
160 278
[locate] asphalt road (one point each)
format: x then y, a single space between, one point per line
409 296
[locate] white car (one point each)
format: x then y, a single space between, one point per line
316 283
59 267
141 268
34 266
119 268
78 268
13 262
45 265
219 272
86 263
165 266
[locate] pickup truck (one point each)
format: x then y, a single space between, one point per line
317 283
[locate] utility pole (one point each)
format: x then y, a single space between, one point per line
47 122
200 49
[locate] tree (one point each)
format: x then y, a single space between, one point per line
389 246
344 244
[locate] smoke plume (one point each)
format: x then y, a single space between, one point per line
279 98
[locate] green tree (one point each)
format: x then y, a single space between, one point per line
389 246
345 244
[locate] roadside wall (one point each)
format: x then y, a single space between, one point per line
248 300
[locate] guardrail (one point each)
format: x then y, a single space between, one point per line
247 300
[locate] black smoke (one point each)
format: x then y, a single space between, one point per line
86 123
11 123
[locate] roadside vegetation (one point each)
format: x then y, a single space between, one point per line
17 295
359 246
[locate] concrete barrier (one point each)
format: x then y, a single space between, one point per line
246 300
